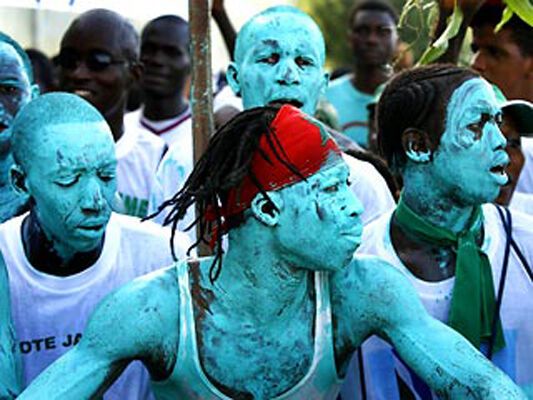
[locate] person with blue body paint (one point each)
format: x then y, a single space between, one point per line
99 61
70 250
470 262
279 314
16 89
279 58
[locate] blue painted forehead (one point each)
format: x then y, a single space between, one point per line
57 108
51 109
4 38
289 15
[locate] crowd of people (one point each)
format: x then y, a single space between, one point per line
369 234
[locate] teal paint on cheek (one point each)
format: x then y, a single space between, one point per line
323 219
282 60
72 183
467 154
14 91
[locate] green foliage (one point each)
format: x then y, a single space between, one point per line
417 19
522 8
332 17
439 47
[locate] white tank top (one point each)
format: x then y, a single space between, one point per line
384 372
188 380
50 312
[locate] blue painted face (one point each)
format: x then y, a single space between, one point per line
15 89
469 164
320 225
281 59
71 178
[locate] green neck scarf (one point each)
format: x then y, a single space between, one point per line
472 306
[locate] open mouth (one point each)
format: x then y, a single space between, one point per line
91 228
82 93
3 127
498 169
292 102
499 174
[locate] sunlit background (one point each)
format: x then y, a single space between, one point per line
41 24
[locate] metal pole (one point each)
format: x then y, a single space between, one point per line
201 86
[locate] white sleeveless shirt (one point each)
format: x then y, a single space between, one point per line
189 381
384 372
50 312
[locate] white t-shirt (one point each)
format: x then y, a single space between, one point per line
50 312
176 165
226 97
138 156
525 181
173 171
522 202
370 188
170 130
384 372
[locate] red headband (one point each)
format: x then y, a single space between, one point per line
298 139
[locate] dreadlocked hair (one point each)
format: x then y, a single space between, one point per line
416 99
223 166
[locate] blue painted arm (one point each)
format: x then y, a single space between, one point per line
10 367
137 322
376 298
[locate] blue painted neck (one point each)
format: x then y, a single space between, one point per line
252 266
423 196
43 256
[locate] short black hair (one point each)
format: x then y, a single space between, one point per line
416 99
372 5
128 36
20 51
521 32
175 20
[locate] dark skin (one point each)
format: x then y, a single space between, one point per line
224 24
107 90
373 39
426 261
514 150
167 63
500 60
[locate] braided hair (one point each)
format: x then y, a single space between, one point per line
223 166
416 99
